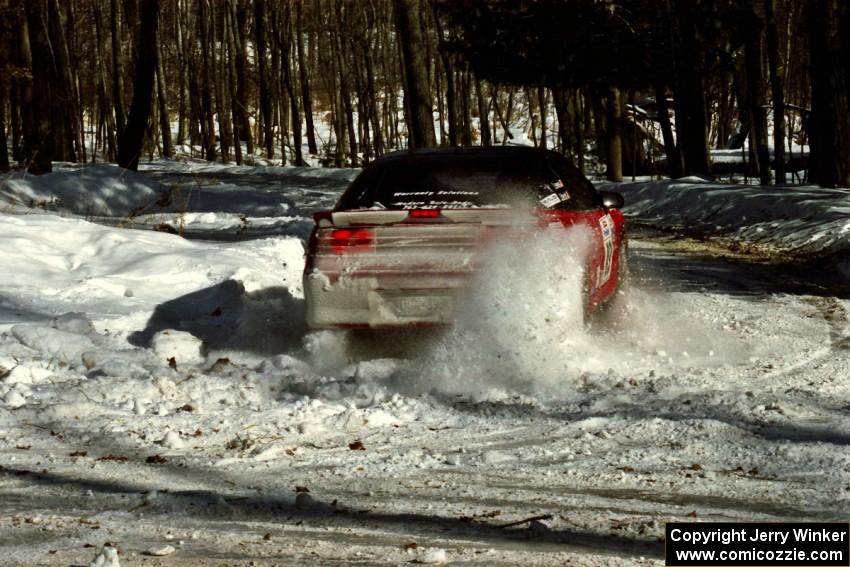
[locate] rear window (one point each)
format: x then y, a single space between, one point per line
458 181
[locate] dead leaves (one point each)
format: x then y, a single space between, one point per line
112 458
483 515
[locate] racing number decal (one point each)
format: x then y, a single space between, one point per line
606 226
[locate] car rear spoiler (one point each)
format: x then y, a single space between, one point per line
381 217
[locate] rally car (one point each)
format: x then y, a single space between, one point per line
401 244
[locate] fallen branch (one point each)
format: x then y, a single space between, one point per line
527 520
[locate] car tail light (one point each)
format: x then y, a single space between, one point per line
424 214
344 240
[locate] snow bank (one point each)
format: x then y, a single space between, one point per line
188 199
97 190
802 221
56 265
203 166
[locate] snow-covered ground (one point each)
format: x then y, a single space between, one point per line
162 394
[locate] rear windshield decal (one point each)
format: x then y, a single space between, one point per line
407 205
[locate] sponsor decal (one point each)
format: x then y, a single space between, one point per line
606 227
550 200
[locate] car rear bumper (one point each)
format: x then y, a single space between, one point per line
382 301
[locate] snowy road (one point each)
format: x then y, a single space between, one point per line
725 397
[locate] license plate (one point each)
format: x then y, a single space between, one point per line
419 306
416 307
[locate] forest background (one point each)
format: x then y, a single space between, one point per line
624 87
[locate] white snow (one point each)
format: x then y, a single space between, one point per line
61 265
161 551
722 394
178 345
432 557
108 557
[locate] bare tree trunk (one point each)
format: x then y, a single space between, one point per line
214 60
117 68
504 118
417 91
466 131
131 15
336 80
451 89
777 90
600 125
26 103
72 76
162 98
306 100
131 141
262 70
374 116
532 117
451 101
671 150
614 143
577 99
15 112
483 114
542 103
755 102
284 44
233 55
207 122
725 109
181 33
38 140
106 108
560 101
344 77
689 91
279 109
829 123
240 16
63 100
4 148
363 107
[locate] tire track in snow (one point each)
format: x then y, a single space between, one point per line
836 316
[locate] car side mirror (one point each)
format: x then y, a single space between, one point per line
612 200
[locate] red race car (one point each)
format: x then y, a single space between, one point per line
401 245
